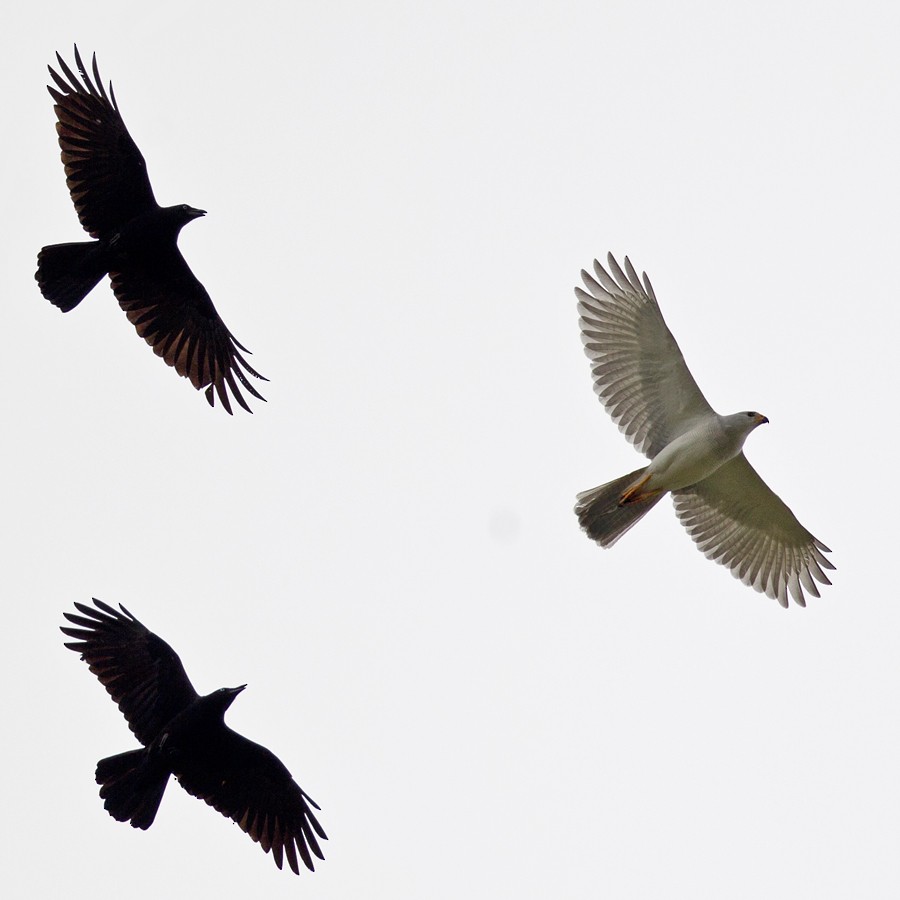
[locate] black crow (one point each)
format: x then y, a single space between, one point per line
136 243
185 735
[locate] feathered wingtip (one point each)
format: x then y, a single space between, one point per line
94 88
620 283
238 368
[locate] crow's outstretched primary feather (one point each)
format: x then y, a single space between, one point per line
184 734
135 243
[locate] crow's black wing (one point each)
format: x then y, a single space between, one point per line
250 785
174 314
105 171
139 670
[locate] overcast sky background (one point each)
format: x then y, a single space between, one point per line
484 703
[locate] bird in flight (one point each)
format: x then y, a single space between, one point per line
136 243
695 454
185 735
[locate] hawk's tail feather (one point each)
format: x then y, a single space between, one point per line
604 516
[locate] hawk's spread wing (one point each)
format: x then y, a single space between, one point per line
738 521
639 372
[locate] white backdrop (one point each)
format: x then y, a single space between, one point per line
483 702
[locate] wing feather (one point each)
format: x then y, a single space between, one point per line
105 171
139 670
639 373
737 520
173 312
249 784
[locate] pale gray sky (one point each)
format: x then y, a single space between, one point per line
483 702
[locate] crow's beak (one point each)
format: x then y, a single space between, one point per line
196 213
237 690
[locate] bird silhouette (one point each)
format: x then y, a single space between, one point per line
184 734
135 243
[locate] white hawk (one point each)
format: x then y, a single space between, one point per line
696 454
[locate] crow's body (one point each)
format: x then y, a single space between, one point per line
135 243
184 734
